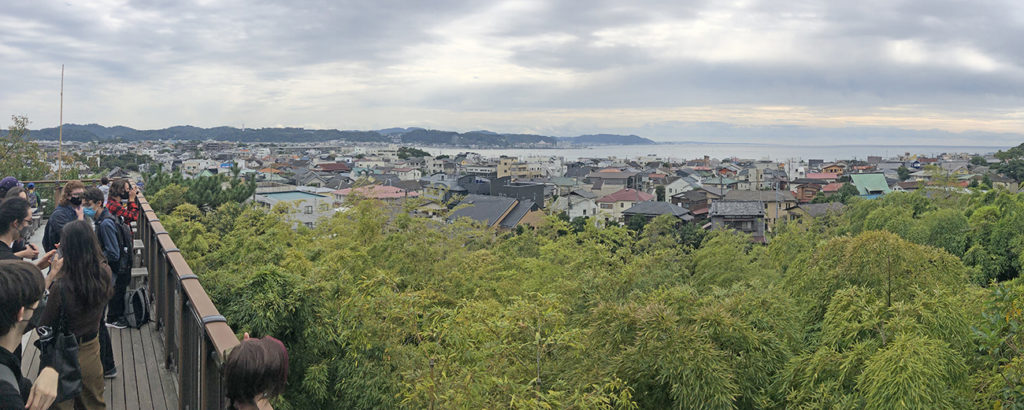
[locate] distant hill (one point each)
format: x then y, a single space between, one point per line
411 135
608 139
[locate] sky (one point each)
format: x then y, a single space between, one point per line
938 72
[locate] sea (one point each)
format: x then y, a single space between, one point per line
696 150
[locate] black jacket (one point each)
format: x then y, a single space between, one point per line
60 217
11 398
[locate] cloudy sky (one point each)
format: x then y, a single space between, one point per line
865 71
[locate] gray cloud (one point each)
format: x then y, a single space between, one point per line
156 63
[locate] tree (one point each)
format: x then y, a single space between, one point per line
659 193
20 157
903 173
978 160
411 152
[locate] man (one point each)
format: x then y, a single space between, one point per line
33 198
21 288
109 234
104 187
122 190
69 208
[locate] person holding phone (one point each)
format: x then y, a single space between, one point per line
121 200
69 208
21 293
15 215
83 285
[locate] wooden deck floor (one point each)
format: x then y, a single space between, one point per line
142 383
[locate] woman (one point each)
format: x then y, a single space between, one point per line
69 208
256 369
83 287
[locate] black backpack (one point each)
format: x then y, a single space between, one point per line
125 243
136 308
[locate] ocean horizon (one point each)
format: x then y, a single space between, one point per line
678 151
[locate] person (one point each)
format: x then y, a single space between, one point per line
16 192
21 289
255 370
83 287
69 208
104 187
6 184
110 242
122 190
15 215
33 198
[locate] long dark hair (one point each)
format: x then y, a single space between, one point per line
253 368
83 264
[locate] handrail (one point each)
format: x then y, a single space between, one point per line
196 337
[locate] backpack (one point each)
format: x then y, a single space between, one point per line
125 242
136 308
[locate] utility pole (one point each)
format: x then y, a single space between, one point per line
60 129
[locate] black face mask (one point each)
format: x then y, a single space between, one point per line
76 201
37 315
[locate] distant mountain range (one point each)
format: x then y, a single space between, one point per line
412 136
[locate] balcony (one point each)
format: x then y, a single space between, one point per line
174 362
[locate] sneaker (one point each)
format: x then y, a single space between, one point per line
118 324
110 374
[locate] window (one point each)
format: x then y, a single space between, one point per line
606 206
584 212
309 209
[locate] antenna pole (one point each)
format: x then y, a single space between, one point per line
60 129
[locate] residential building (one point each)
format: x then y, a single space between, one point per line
743 216
611 205
654 209
870 185
776 204
304 207
497 212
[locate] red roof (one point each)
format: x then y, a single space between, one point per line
627 194
834 187
335 166
822 175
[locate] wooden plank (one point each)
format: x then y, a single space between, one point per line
131 392
117 383
141 369
153 368
170 385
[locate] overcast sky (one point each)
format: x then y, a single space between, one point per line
889 70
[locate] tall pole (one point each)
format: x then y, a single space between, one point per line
60 129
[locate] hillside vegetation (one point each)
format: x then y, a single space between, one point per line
902 302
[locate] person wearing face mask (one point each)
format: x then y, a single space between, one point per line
69 208
108 233
21 292
14 216
121 190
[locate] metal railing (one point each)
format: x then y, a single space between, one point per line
196 336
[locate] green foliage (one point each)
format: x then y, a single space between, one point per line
205 192
411 152
903 173
979 160
888 305
19 156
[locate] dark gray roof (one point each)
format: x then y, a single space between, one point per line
737 208
483 208
767 196
522 208
656 208
816 210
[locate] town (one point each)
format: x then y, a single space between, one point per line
751 196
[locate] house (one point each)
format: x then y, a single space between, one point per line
610 180
679 186
654 209
743 216
721 182
612 205
837 168
696 201
310 178
408 174
870 185
826 177
807 191
442 187
775 203
385 193
577 204
334 167
496 211
305 207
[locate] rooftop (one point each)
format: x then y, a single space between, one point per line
293 196
736 208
